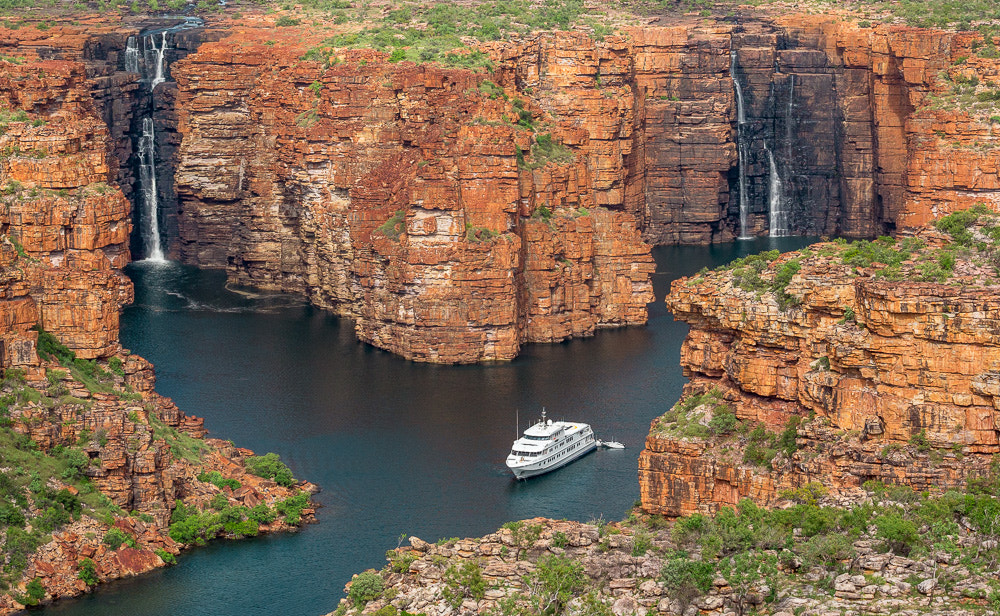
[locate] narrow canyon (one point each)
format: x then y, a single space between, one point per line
455 214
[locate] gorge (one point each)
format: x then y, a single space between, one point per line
458 207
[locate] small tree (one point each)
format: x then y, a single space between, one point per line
34 592
555 581
747 573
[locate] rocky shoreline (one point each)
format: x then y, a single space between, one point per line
640 567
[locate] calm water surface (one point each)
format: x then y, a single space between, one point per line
398 447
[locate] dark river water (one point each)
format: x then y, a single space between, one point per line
398 447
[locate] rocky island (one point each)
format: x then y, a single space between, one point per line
460 181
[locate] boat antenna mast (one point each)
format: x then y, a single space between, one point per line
517 423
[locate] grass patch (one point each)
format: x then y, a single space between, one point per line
394 227
182 446
546 150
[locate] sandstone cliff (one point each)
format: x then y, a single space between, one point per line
71 226
392 194
883 350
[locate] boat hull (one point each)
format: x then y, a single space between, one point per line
537 468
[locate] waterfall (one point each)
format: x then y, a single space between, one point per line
158 77
741 119
147 185
146 55
132 55
777 215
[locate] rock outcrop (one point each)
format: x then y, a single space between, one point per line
392 194
141 457
893 378
632 568
60 212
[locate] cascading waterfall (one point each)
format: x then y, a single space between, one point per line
132 55
158 77
778 215
147 179
146 55
150 225
741 119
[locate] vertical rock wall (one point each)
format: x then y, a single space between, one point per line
392 194
66 221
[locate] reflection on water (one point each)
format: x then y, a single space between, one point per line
398 447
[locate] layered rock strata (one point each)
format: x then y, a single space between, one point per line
392 194
894 381
61 214
651 119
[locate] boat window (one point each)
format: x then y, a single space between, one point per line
536 438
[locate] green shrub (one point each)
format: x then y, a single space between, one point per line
292 507
559 539
215 478
686 579
554 582
270 466
920 441
50 348
461 582
642 542
827 550
761 447
545 149
219 502
400 562
285 21
88 573
365 587
196 528
723 420
34 593
958 224
115 537
492 90
116 366
747 573
900 534
262 514
166 556
786 441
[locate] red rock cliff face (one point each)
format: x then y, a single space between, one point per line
60 212
913 148
392 194
895 382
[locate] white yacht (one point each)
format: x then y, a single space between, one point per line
549 445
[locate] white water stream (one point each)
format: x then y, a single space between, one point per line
741 119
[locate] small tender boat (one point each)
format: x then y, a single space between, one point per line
610 444
549 445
